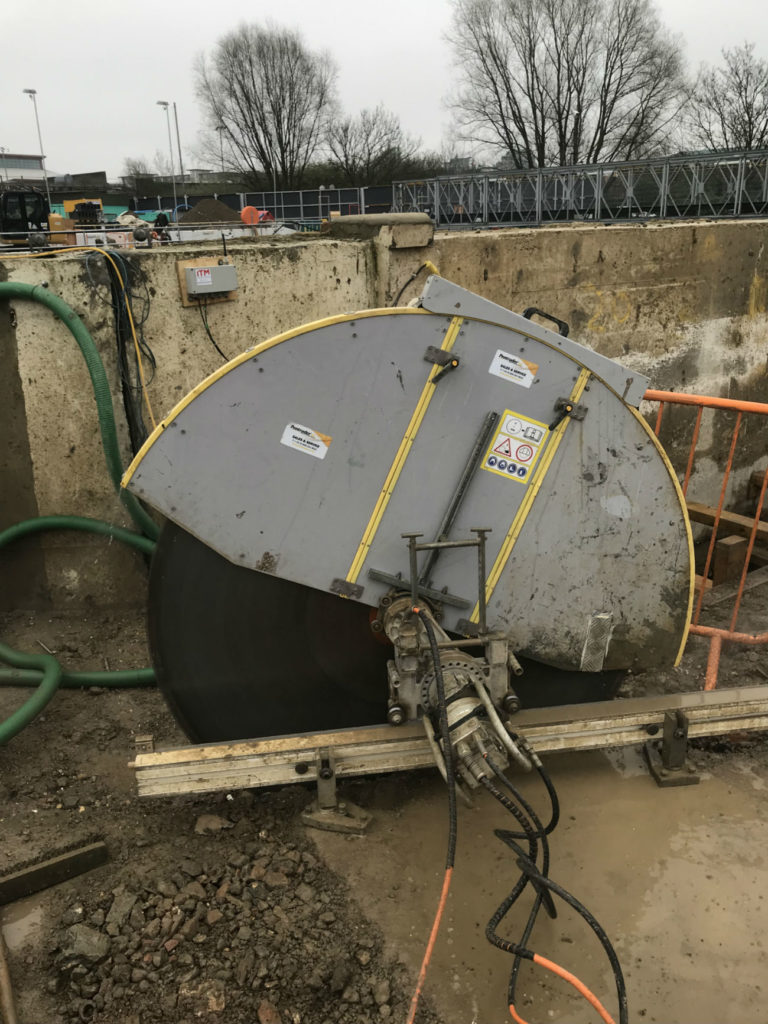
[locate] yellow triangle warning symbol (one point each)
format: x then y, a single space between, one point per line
504 447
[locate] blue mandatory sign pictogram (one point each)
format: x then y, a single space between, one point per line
521 471
512 468
492 460
502 464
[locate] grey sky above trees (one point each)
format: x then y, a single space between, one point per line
96 111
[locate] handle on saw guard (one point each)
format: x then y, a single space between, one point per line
562 326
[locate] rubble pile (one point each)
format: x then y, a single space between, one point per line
263 933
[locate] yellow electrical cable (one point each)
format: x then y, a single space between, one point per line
106 255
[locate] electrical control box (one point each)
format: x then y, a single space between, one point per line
210 280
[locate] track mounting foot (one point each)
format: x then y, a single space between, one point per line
329 813
667 763
344 817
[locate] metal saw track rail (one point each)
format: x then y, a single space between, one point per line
280 760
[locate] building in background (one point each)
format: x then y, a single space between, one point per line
21 167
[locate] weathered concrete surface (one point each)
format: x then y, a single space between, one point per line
685 303
54 462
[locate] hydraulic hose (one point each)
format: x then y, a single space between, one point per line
43 670
101 391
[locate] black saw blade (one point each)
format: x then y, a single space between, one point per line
241 654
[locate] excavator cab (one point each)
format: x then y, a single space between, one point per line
21 211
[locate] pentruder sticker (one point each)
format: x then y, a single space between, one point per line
513 368
304 439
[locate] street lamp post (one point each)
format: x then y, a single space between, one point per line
178 143
32 93
165 105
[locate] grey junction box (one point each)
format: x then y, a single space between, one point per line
211 280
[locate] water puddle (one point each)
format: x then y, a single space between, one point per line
21 921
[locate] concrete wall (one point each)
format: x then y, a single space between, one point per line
684 303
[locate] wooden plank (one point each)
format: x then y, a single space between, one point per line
50 872
728 591
728 560
730 522
698 581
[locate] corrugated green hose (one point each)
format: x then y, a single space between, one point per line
43 670
101 392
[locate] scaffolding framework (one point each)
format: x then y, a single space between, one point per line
706 186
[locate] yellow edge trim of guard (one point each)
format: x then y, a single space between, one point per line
681 498
402 454
530 496
249 354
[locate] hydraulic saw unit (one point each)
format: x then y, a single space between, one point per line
452 457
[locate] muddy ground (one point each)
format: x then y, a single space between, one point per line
247 916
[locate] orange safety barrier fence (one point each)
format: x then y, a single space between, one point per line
701 402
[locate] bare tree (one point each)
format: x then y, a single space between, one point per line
565 81
370 148
730 103
272 97
136 167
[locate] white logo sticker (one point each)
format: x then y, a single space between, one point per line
513 368
306 440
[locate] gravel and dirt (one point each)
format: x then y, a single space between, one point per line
225 908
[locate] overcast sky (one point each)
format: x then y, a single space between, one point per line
99 66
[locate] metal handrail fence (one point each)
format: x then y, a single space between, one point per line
710 185
742 409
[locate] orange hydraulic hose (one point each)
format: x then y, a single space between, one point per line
430 945
580 987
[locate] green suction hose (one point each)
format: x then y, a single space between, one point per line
82 523
49 684
43 670
101 392
115 680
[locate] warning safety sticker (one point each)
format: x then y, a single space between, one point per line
516 447
513 368
304 439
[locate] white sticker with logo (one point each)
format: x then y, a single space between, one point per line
515 449
203 277
513 368
304 439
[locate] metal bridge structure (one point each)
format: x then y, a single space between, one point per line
711 185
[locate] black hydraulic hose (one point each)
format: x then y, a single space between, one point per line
542 833
531 872
517 949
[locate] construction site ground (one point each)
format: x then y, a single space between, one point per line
225 908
